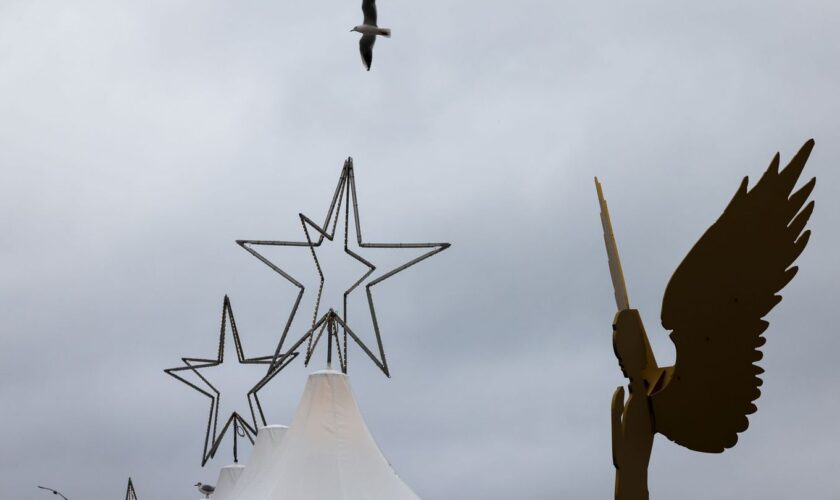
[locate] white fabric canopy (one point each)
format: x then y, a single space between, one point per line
327 453
265 453
228 476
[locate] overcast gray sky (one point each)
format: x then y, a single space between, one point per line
138 140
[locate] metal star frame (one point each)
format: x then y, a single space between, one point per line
345 192
129 492
242 428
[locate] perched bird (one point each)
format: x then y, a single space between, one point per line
369 30
205 489
714 307
53 492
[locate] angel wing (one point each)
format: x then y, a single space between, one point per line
715 302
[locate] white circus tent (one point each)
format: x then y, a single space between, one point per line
266 452
327 453
228 477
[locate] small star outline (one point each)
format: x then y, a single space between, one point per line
213 437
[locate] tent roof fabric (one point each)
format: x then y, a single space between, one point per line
265 453
228 477
327 453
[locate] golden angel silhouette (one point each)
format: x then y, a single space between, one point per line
713 306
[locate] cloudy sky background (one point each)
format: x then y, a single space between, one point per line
138 140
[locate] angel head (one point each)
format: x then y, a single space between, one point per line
629 343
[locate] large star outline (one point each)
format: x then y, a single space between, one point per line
331 321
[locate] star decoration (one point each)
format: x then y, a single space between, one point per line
129 492
242 428
331 321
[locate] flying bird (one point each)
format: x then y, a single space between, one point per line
205 489
53 492
714 307
369 30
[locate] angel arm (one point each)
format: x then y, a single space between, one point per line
715 302
617 431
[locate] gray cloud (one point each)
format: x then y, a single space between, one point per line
138 141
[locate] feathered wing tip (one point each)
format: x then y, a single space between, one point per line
781 181
795 201
793 170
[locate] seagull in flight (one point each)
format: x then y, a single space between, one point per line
53 492
369 30
205 489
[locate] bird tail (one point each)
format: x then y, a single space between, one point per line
385 32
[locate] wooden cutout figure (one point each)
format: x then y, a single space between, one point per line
713 306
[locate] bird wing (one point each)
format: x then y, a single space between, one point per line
715 302
366 49
369 9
